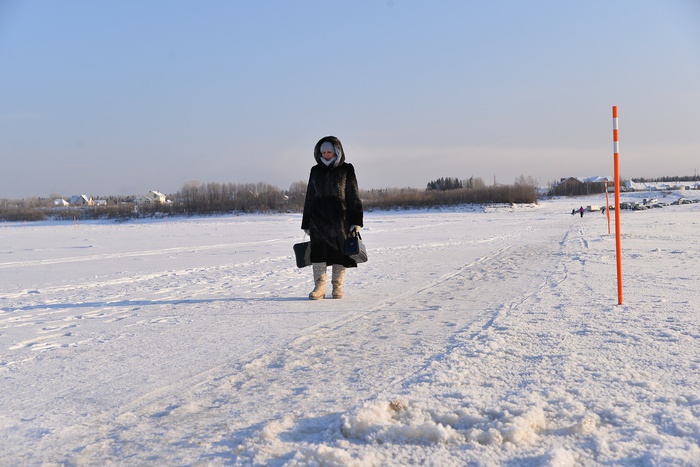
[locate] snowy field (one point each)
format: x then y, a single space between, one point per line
471 337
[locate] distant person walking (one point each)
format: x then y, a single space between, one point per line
581 210
332 210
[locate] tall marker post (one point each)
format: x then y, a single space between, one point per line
618 241
607 204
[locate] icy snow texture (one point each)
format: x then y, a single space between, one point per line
471 337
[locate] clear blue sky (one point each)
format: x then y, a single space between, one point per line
122 97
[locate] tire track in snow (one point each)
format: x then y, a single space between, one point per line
130 280
495 270
158 252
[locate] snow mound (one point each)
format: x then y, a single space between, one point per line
417 423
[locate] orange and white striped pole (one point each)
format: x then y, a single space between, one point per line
618 241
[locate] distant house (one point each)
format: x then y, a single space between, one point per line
150 198
81 200
570 182
573 186
100 202
60 202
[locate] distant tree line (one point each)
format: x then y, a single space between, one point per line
449 183
197 198
444 184
210 198
404 198
676 178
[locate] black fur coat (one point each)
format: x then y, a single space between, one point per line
332 206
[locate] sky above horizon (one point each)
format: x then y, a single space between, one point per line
119 98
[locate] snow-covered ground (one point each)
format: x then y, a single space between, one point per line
471 337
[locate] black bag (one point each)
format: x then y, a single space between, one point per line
302 252
354 248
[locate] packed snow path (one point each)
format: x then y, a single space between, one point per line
469 337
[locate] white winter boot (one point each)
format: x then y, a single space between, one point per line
319 290
337 280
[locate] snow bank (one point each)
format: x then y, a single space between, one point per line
402 422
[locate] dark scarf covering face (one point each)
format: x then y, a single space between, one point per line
332 205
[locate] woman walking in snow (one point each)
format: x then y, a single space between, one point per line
332 210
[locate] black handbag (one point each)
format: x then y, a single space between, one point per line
355 248
302 252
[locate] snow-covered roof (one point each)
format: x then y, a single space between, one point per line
593 179
76 198
596 179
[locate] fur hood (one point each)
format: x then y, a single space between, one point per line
340 154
